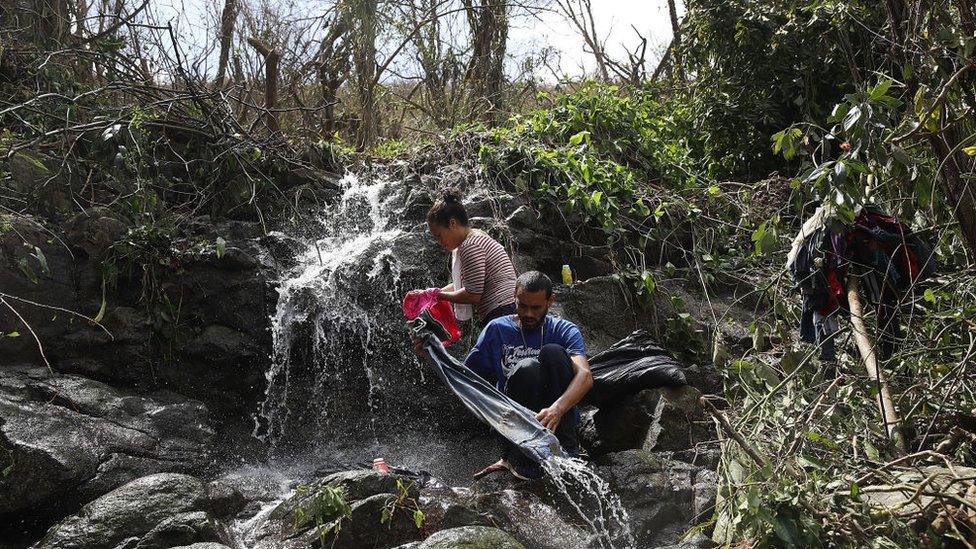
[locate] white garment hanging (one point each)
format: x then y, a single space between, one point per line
462 311
810 226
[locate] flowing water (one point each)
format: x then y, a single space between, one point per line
591 499
336 338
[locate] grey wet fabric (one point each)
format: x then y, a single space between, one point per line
510 419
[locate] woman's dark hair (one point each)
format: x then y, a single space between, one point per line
446 207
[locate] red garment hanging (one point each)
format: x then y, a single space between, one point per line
418 301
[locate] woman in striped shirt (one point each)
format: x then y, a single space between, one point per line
483 274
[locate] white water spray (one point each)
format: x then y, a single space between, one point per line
320 294
590 497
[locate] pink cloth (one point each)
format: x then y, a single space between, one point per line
418 301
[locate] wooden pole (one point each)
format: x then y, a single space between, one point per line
864 346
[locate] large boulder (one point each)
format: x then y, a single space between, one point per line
68 439
602 309
93 231
379 513
663 497
471 537
152 512
653 419
195 326
530 519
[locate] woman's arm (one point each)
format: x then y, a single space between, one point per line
460 296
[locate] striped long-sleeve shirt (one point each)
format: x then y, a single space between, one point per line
486 269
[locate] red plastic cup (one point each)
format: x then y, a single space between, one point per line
379 464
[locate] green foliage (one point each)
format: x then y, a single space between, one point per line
326 510
761 66
401 500
391 148
600 152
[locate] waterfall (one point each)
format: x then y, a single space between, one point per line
336 330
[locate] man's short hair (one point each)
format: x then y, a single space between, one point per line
534 281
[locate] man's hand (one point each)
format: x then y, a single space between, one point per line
550 417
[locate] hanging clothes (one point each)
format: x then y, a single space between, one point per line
879 249
816 269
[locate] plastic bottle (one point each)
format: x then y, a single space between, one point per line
567 275
379 464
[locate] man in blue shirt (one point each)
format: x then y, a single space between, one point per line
540 362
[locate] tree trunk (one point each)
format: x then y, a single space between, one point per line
601 56
333 66
488 22
44 23
81 19
271 57
957 189
364 58
227 19
675 46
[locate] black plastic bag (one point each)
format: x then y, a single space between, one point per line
631 365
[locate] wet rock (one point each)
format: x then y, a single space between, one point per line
236 259
203 545
417 205
151 512
697 541
225 500
300 520
33 174
181 529
357 485
365 526
451 508
662 497
471 537
94 231
530 520
36 268
601 308
282 249
653 419
222 345
70 439
585 267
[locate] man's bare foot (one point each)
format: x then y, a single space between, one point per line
499 465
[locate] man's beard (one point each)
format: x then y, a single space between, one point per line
525 324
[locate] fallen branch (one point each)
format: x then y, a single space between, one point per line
729 430
40 346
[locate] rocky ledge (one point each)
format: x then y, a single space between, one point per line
66 439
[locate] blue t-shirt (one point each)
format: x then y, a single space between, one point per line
501 345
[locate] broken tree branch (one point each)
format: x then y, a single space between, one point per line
885 404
